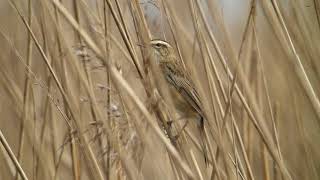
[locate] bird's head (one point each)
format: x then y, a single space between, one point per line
161 48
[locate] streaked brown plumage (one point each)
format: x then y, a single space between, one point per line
184 94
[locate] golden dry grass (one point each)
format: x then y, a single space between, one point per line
82 97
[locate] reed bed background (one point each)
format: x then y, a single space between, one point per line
82 98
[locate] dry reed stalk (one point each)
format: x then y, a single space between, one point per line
27 88
16 94
5 144
246 127
222 112
265 134
69 102
118 79
282 31
302 135
228 101
200 175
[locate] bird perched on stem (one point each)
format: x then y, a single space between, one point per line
185 97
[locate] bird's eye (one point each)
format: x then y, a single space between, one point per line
158 45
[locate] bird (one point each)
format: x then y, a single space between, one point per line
185 97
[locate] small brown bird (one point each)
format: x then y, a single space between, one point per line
185 97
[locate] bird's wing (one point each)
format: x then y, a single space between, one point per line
186 88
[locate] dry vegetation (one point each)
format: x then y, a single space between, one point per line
81 96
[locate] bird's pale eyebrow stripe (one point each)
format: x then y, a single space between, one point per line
160 42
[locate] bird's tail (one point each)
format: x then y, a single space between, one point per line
203 140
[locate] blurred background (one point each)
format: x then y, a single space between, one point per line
77 91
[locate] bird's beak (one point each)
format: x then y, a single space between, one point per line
141 45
